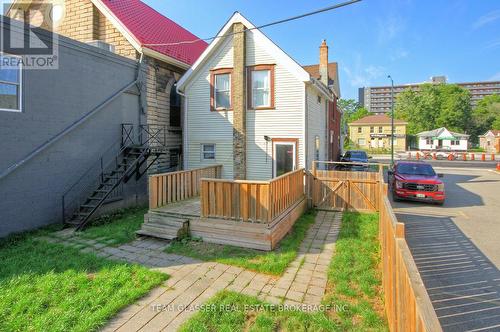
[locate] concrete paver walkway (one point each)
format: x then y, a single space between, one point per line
193 282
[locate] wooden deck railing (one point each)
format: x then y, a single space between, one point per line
251 201
172 187
407 304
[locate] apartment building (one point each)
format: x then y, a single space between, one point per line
379 99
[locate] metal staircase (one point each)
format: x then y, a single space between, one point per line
129 158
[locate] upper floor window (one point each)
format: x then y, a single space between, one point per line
10 83
371 130
380 130
261 87
360 130
220 89
175 107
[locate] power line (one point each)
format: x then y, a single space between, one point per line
322 10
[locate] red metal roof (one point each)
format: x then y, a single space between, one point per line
150 27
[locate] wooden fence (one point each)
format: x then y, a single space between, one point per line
173 187
345 190
251 201
407 304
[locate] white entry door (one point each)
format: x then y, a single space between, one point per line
285 157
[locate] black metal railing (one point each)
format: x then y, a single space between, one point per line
105 167
77 194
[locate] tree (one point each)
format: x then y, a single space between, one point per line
434 106
486 115
352 111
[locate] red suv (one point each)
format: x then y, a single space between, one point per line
416 181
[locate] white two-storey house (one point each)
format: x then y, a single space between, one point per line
252 108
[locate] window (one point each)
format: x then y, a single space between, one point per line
455 142
10 83
261 87
317 146
361 141
175 107
360 130
208 151
220 89
319 99
372 130
380 130
428 141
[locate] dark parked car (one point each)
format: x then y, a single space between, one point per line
359 159
416 181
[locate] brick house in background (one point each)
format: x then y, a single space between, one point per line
490 141
255 110
134 30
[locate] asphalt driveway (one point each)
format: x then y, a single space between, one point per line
457 249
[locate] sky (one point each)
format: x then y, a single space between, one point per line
411 40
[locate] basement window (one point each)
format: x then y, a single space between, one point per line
208 152
10 83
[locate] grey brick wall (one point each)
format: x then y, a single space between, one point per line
30 197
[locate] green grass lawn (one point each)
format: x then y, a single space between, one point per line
353 283
117 228
274 262
49 287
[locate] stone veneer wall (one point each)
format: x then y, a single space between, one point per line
239 102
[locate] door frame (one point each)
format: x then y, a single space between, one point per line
289 141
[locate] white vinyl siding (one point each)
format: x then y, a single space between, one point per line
204 126
316 120
285 121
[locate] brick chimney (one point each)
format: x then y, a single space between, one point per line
323 62
239 103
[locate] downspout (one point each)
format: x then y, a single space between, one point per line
184 131
140 84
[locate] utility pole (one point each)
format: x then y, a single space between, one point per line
392 119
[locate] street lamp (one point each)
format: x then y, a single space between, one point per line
392 119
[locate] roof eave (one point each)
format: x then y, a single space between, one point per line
165 58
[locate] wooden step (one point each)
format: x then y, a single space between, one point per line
160 231
165 220
164 227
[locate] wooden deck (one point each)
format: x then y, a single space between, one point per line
187 208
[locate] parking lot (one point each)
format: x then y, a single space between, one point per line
457 248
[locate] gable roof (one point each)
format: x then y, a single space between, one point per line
275 50
333 75
439 131
376 119
492 132
149 28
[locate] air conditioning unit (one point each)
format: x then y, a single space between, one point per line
102 45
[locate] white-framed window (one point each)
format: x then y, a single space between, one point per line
208 151
361 141
222 91
380 130
428 141
317 145
360 130
261 88
10 83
